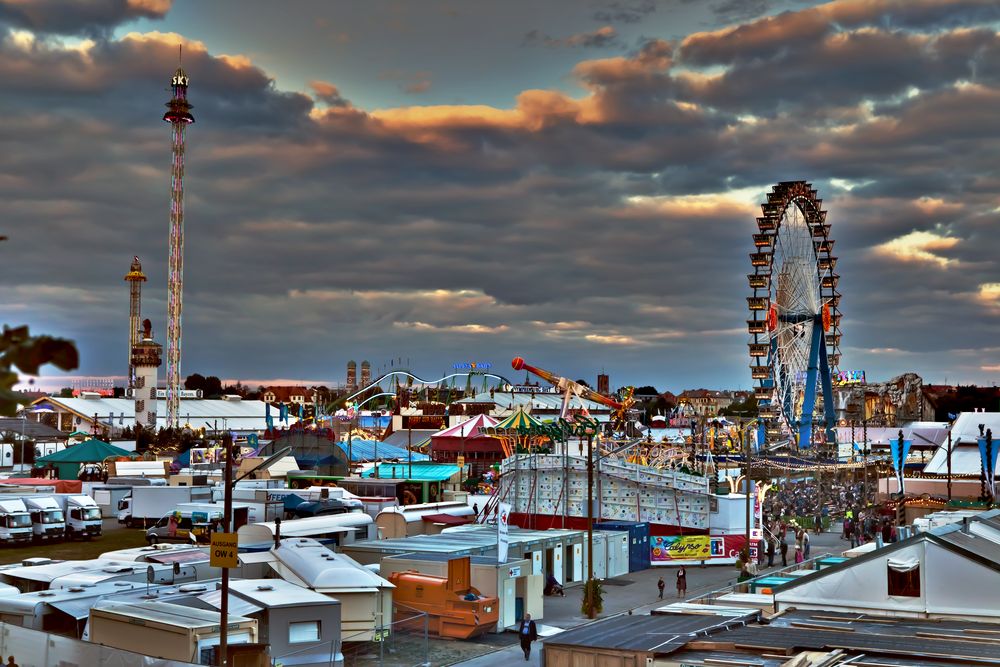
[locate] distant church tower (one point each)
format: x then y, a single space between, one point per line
603 384
366 373
146 359
352 376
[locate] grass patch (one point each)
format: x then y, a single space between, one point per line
115 538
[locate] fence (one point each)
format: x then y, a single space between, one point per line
404 643
31 648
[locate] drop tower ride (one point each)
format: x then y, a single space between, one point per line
179 116
135 278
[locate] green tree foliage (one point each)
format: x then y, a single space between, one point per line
745 409
26 353
211 386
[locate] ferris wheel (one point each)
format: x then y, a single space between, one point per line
795 325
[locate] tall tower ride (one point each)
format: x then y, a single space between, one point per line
135 278
179 116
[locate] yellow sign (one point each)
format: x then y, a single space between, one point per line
460 461
680 547
223 550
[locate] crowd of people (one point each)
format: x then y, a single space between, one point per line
795 508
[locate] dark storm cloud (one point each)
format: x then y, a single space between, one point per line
624 11
608 228
731 11
600 38
92 18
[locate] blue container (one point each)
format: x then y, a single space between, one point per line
638 541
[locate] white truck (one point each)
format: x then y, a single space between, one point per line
256 512
83 515
48 521
15 521
147 504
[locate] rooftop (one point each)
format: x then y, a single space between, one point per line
654 634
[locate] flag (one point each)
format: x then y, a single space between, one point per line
503 538
988 459
899 449
283 412
267 417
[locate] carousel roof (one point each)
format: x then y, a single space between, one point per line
520 419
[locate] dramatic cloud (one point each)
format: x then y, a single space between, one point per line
602 221
920 246
92 18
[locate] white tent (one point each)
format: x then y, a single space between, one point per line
965 444
949 572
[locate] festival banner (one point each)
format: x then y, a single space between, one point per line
666 548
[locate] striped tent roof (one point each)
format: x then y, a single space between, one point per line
469 428
520 419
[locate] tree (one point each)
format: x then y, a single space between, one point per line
213 387
27 353
194 382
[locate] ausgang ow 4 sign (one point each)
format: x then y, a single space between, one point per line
223 551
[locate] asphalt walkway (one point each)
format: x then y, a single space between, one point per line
635 592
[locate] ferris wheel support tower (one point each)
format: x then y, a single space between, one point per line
179 116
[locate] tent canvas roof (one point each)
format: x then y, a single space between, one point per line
89 451
424 472
470 428
520 419
369 450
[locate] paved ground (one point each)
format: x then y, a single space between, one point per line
639 595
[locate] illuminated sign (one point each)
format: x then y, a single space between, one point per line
473 366
849 377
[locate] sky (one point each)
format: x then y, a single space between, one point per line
574 182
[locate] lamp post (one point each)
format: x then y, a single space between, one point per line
227 522
591 613
745 446
864 453
949 463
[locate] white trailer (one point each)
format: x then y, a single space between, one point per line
83 516
15 521
147 504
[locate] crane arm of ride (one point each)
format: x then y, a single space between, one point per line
566 385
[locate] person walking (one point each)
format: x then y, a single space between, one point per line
798 554
660 585
682 582
527 632
805 544
784 551
770 552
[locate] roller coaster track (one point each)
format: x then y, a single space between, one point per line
407 374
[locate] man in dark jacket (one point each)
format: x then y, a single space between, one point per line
527 632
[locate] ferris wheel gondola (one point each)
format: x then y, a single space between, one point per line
795 316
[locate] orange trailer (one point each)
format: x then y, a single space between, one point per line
456 609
